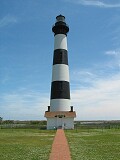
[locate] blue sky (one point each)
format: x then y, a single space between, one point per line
26 53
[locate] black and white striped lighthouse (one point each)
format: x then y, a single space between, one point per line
60 87
60 108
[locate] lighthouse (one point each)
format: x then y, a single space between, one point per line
60 113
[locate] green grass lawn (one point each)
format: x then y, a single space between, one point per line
33 144
94 144
25 144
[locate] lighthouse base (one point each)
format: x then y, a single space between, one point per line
64 120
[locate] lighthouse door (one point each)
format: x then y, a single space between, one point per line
59 122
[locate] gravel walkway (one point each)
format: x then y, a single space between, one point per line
60 148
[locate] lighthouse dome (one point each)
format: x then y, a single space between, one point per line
60 18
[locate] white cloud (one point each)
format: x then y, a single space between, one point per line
85 73
96 94
113 52
6 20
24 106
116 56
101 101
96 3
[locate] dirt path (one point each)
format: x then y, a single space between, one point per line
60 148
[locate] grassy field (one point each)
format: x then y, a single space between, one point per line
34 144
94 144
25 144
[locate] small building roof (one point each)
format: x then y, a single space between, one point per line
60 114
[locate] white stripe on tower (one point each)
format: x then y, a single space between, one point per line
60 72
60 88
60 42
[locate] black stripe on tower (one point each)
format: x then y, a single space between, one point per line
60 57
60 89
